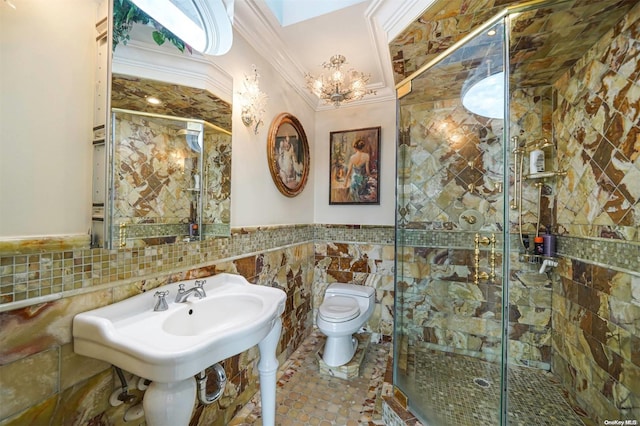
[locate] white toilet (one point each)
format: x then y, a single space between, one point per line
345 308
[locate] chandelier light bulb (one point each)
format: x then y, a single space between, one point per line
317 87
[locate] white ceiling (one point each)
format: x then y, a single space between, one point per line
289 11
360 32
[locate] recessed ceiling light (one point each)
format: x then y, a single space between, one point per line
491 32
153 100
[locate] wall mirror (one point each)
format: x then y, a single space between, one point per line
167 160
47 165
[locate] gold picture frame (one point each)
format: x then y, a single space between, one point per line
288 154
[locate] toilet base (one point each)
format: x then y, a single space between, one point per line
351 369
339 350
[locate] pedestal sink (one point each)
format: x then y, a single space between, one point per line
170 347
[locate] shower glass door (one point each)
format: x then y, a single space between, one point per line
449 337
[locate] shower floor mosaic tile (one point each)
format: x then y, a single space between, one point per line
466 391
307 397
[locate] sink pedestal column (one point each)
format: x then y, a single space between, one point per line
268 366
169 404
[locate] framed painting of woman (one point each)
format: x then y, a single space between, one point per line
288 154
354 158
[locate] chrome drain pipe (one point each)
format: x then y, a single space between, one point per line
221 382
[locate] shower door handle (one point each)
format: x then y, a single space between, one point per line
478 240
122 235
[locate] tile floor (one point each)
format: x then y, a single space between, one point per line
307 397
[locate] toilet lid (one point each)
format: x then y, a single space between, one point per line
339 308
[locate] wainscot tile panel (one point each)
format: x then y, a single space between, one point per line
37 308
38 368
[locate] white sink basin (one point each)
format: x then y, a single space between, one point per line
178 343
215 315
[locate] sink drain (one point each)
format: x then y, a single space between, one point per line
483 383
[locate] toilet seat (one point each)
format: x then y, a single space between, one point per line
339 309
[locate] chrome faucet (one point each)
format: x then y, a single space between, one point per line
198 289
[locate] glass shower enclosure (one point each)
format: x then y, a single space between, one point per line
473 308
450 244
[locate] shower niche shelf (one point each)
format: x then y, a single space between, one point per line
535 258
543 175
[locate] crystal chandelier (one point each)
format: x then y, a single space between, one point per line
339 86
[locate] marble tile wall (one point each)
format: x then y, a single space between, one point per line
36 343
362 255
597 127
596 302
449 164
596 343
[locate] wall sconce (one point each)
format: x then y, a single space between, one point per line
252 101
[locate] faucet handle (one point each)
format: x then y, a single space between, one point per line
161 304
181 288
200 284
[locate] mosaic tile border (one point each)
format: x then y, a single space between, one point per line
49 268
355 233
612 253
615 253
46 273
178 230
443 239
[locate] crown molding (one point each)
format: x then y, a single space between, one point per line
154 62
395 16
379 40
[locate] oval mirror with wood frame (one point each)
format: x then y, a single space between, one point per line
288 154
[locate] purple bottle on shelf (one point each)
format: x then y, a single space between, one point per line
549 243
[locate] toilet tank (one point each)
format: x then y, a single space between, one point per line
350 290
